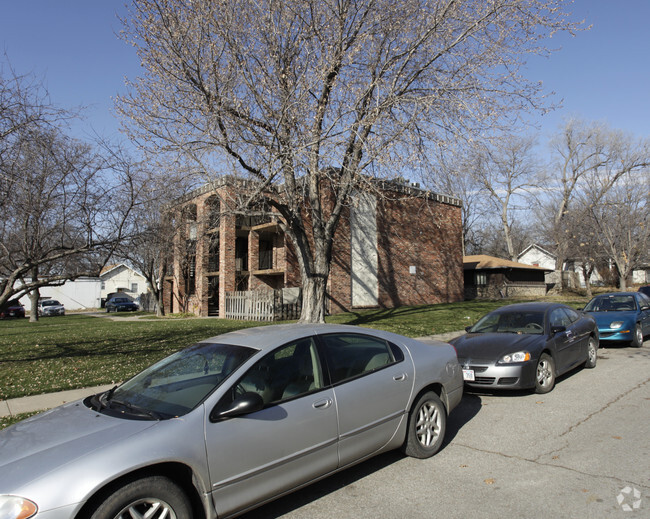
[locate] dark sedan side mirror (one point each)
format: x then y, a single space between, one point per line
468 328
245 404
557 329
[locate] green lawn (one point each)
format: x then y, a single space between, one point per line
74 351
77 350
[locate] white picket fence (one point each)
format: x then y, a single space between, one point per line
260 305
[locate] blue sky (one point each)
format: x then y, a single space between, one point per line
602 74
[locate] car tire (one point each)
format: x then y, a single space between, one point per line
545 374
426 427
637 341
592 353
151 497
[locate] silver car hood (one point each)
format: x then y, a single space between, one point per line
57 437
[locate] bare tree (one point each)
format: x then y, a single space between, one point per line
64 205
450 173
584 150
622 218
305 95
507 171
149 246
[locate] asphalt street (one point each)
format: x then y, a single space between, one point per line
581 451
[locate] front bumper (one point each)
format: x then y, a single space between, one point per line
489 375
50 313
618 335
125 308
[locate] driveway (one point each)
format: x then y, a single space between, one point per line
582 450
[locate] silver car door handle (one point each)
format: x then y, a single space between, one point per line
401 376
322 404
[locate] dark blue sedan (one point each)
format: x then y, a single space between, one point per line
121 304
526 345
621 316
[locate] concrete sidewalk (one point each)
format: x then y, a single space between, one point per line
30 404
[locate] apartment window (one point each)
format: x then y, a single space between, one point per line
266 254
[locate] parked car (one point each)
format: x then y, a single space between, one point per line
49 307
232 422
621 316
12 308
526 345
645 290
121 304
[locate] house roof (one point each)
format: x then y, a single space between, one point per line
111 268
538 247
482 261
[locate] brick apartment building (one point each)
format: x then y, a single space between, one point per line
404 248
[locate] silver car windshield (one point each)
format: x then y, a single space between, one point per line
520 322
177 384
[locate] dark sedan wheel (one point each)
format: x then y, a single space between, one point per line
592 353
637 341
153 497
426 427
545 374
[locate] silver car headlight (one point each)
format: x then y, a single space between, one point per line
519 356
616 325
15 507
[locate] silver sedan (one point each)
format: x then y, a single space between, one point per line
230 423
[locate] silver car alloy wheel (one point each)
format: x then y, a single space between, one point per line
639 335
428 424
148 508
592 351
544 373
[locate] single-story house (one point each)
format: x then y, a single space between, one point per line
121 278
538 256
487 277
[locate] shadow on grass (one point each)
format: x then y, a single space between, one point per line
88 337
403 316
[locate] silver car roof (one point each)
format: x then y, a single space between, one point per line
269 337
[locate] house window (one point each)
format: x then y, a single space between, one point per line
134 288
480 279
103 285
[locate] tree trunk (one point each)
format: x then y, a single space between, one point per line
586 274
34 296
314 293
160 308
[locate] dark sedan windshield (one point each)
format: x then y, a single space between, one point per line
522 322
177 384
611 303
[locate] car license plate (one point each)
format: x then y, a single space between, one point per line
468 374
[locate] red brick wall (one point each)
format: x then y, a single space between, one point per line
426 235
412 232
